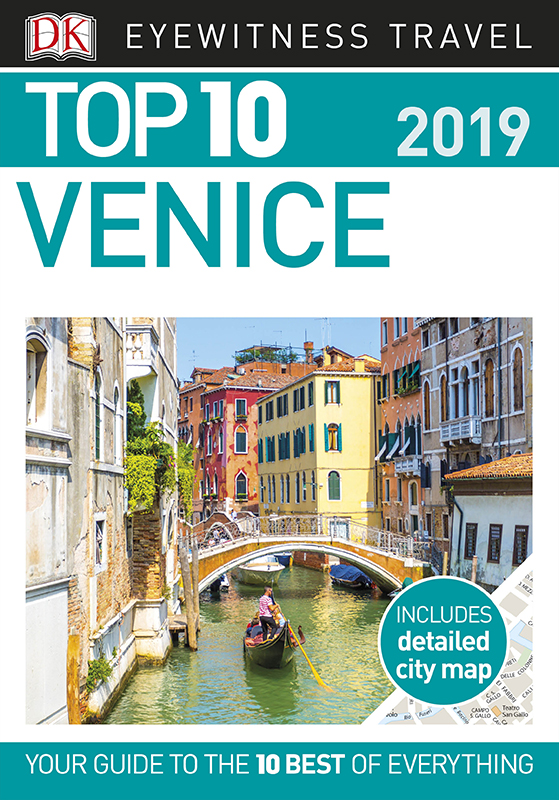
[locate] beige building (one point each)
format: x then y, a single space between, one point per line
87 574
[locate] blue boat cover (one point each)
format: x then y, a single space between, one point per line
345 572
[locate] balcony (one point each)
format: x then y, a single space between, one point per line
410 465
462 429
142 343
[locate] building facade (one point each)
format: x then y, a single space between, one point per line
492 522
476 375
316 444
89 567
400 439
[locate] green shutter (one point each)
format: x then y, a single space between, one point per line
340 437
287 453
338 392
311 437
325 392
326 448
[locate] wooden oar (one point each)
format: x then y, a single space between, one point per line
314 672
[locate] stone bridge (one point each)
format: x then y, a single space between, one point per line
387 558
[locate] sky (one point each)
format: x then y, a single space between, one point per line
211 342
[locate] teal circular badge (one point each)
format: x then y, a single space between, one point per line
443 641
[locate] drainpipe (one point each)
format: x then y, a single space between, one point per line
459 535
499 404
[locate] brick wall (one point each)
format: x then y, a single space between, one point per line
148 571
310 560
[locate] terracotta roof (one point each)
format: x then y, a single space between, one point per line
519 466
348 365
264 380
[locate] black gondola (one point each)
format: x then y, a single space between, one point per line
350 577
273 653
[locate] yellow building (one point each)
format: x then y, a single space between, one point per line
316 444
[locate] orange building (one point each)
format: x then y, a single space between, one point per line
399 449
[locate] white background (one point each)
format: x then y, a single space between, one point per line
462 242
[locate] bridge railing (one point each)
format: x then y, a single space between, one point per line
310 526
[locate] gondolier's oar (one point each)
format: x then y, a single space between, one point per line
314 672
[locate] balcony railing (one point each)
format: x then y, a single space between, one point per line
408 465
461 428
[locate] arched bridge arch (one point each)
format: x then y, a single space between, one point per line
386 558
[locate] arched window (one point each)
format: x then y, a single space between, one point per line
464 404
304 487
333 437
287 489
273 488
37 395
117 428
282 490
334 486
518 381
427 405
215 483
241 486
489 393
313 487
418 435
297 489
413 493
262 490
98 413
241 440
443 399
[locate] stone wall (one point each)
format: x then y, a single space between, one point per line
148 569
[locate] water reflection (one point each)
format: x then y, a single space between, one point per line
216 684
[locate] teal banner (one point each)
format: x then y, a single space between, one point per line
275 770
279 119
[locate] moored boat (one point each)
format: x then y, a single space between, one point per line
350 577
263 571
285 558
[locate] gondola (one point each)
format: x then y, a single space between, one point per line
350 577
273 653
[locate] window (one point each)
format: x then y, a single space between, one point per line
489 393
191 403
241 486
215 484
98 410
260 415
427 405
261 451
220 441
332 437
273 488
399 490
443 399
285 405
129 523
282 490
270 448
313 487
241 408
413 493
442 330
304 487
215 408
428 524
396 327
387 524
384 332
262 490
494 544
518 381
100 542
404 325
297 489
311 438
471 538
400 525
332 392
36 382
334 486
269 410
117 428
425 339
311 393
241 440
520 547
387 489
296 400
474 390
279 407
454 325
208 443
269 489
302 397
287 489
207 412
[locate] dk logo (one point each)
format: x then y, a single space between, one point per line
71 36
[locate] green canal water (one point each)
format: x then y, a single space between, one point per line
215 685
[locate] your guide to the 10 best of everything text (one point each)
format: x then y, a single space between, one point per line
252 123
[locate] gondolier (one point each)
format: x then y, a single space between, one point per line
265 613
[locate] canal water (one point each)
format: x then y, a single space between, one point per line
216 685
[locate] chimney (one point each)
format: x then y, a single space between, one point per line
359 365
309 346
326 357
